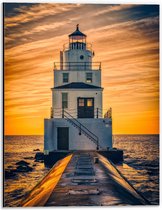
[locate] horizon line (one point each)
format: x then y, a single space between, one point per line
43 134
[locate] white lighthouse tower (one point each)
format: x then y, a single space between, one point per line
77 121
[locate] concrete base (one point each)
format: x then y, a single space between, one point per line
116 156
53 157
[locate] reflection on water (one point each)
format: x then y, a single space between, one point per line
141 164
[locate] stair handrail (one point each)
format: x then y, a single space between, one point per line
89 136
81 125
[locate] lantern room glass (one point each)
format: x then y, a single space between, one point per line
77 42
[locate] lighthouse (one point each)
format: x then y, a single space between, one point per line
77 120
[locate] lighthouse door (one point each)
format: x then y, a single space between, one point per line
85 107
62 138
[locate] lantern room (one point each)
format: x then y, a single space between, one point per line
77 40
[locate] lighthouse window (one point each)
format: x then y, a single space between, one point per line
64 100
65 77
89 102
81 102
81 57
89 77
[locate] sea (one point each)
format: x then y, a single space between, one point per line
140 166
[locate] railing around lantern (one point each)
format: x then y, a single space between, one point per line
73 66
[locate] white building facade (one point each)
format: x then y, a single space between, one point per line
77 121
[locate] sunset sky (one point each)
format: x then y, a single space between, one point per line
125 39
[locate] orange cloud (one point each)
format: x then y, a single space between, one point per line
124 39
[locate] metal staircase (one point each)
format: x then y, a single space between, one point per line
81 128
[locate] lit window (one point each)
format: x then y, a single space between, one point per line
65 77
89 77
64 100
81 102
89 102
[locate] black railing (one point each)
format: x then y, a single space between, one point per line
72 66
98 113
81 128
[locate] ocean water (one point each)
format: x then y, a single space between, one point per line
141 163
140 166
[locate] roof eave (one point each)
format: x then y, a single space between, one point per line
57 88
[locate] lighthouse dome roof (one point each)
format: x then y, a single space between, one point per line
77 32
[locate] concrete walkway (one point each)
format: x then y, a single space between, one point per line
85 183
